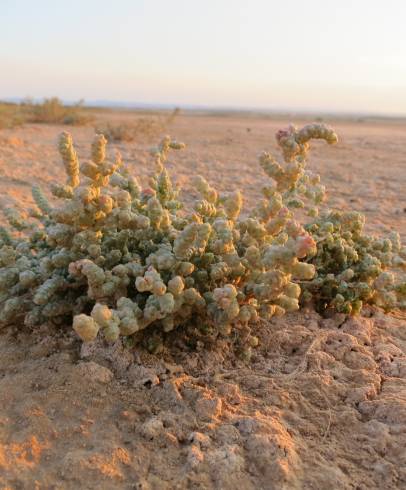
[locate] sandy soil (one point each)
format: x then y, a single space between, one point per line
321 406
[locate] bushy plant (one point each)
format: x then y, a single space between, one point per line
53 111
122 260
352 267
172 115
50 111
140 128
10 115
136 258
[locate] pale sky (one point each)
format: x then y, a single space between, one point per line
321 55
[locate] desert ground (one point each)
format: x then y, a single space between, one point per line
321 405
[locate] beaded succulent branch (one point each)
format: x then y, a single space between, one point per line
352 267
121 260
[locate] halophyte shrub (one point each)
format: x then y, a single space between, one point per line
122 260
352 267
137 128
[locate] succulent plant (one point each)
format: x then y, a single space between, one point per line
117 259
354 268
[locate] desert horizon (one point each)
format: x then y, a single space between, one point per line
232 110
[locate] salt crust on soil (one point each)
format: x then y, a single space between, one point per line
322 405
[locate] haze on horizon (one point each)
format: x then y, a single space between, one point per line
346 56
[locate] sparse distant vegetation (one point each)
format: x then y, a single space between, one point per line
140 128
53 111
10 115
146 127
173 115
50 111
